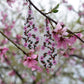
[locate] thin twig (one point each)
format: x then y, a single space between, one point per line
74 55
13 43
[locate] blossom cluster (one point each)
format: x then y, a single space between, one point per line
31 61
64 40
3 52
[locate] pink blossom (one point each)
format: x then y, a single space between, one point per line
64 1
33 56
3 50
37 38
62 43
4 17
43 80
30 22
59 31
10 2
11 73
43 48
81 13
66 55
30 61
70 7
53 44
4 41
41 58
25 44
33 77
29 34
25 28
47 70
13 24
30 12
72 40
35 29
47 28
36 68
24 75
72 50
6 59
38 83
54 62
32 51
83 5
25 3
46 40
49 52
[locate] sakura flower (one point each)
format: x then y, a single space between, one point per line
64 1
32 51
83 5
25 44
35 29
66 55
4 41
41 58
43 48
31 22
10 2
54 62
3 50
62 43
30 12
33 77
47 28
59 31
70 7
11 73
72 40
25 28
30 61
36 68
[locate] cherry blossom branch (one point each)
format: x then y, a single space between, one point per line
74 55
69 31
13 43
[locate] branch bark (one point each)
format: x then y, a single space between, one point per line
13 43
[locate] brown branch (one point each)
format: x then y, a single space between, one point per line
69 31
74 55
42 12
13 43
75 35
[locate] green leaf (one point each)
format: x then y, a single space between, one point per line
55 11
57 6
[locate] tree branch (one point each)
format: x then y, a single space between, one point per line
13 43
74 55
69 31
